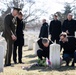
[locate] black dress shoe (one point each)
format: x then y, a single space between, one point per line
67 64
6 65
21 62
72 65
15 63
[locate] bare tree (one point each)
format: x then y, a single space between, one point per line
74 8
29 15
67 9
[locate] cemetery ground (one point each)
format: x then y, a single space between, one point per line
29 58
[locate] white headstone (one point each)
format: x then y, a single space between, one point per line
55 55
30 43
25 41
35 47
4 44
1 58
75 34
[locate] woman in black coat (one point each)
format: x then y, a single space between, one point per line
20 39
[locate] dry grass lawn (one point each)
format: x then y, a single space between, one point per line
28 59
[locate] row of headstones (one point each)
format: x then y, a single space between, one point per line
30 39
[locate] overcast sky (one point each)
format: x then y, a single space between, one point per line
51 6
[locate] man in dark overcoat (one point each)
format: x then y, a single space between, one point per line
55 29
69 48
69 25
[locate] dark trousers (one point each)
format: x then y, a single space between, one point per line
68 57
9 51
41 54
54 38
19 53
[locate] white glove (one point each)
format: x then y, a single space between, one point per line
14 37
67 32
49 37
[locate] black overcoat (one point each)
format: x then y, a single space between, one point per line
44 31
19 33
55 29
70 26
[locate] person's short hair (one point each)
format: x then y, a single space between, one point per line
20 13
44 20
45 40
15 8
63 34
70 14
56 15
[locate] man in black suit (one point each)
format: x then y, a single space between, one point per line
69 46
43 52
9 33
69 25
55 29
